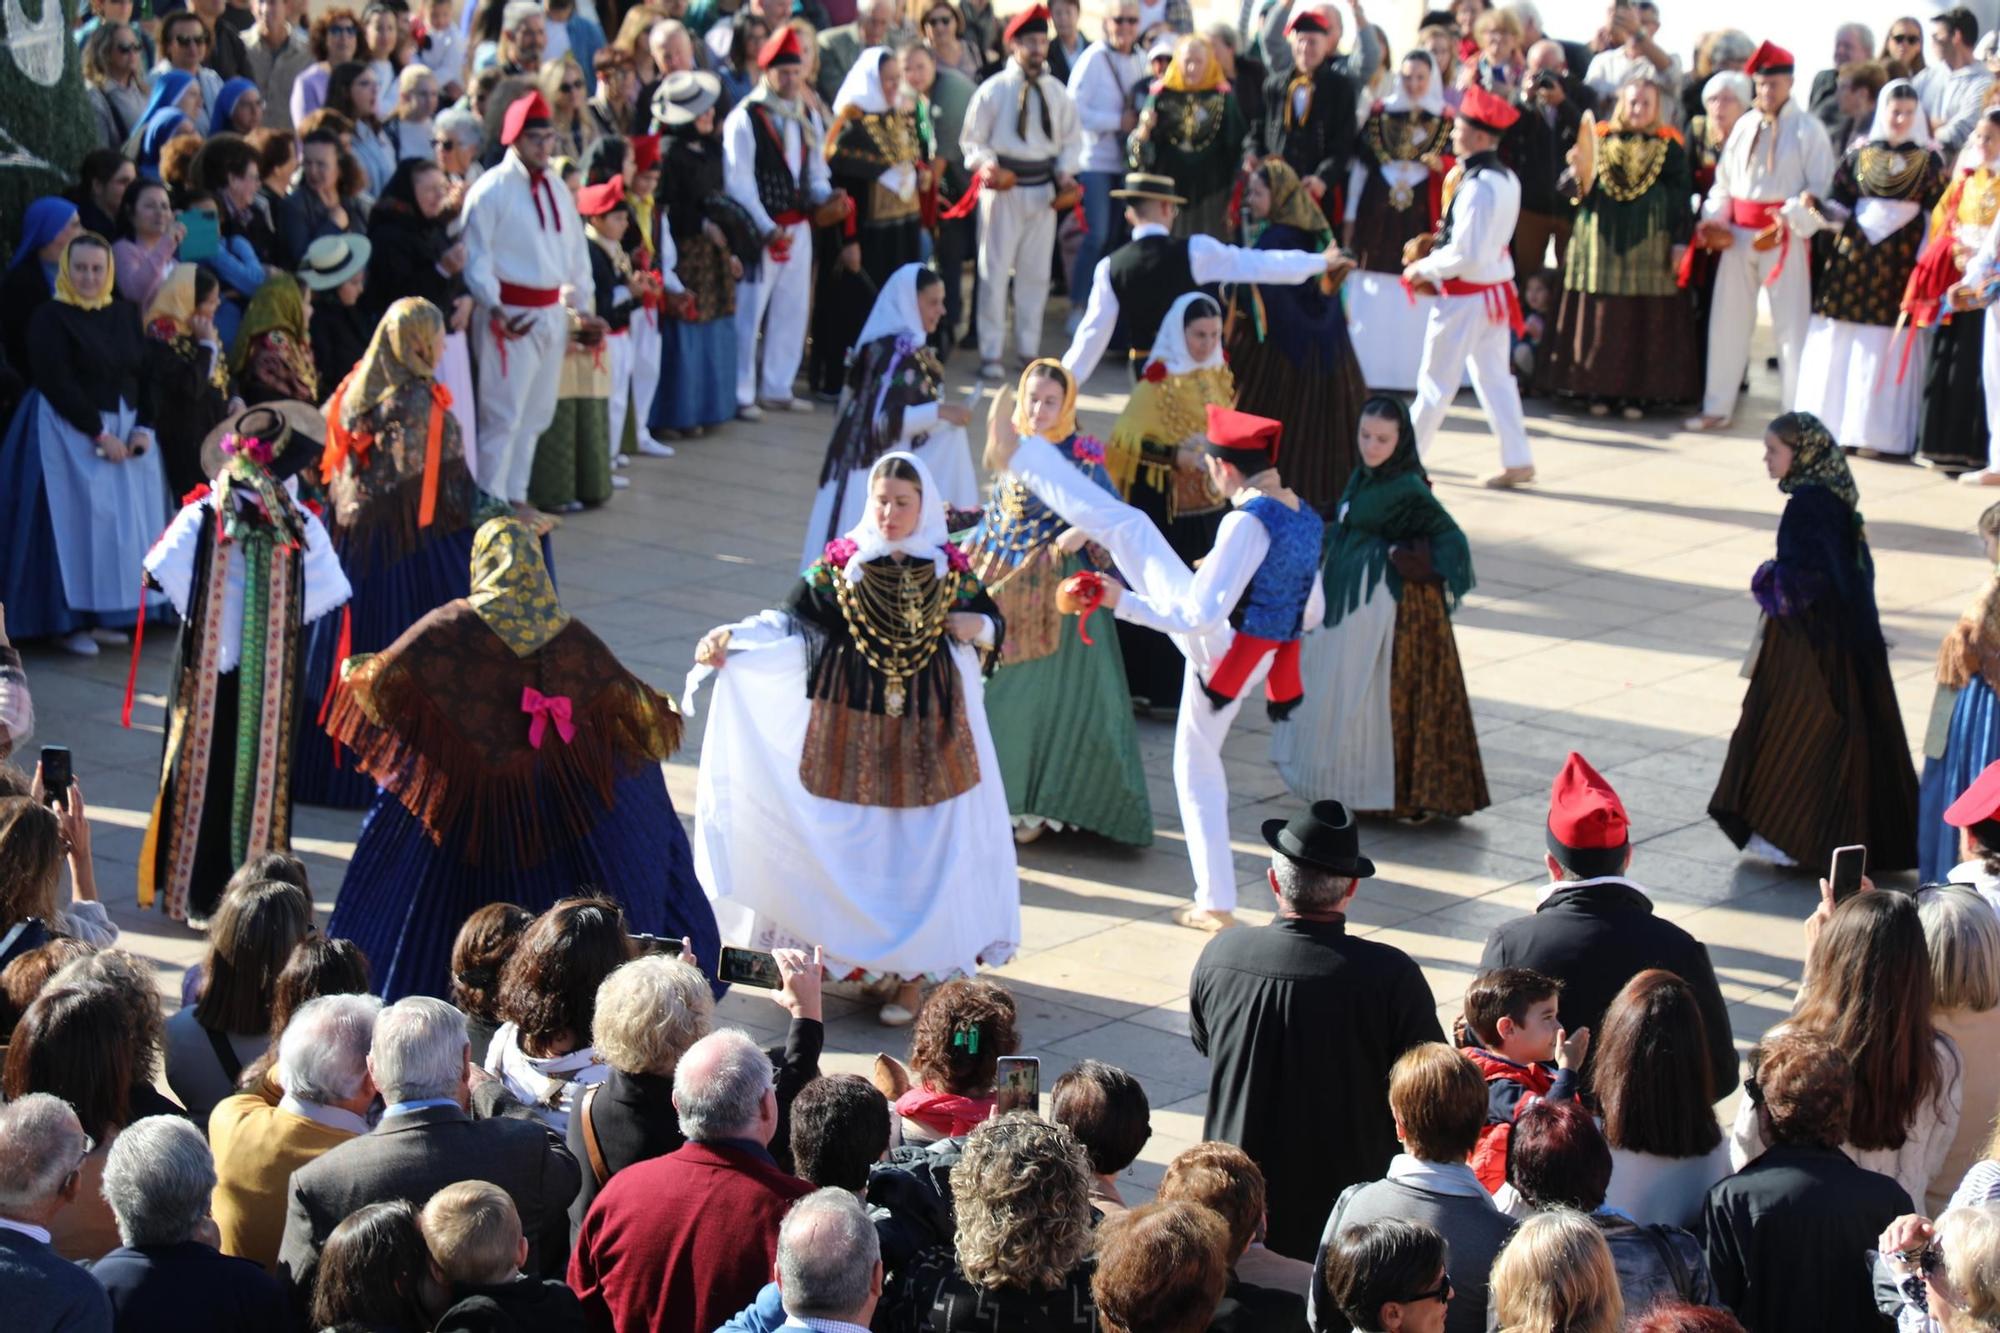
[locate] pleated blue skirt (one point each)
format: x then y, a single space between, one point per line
697 375
1972 743
405 897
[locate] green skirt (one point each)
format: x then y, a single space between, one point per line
573 456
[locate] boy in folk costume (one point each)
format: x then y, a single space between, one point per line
1470 268
247 568
654 255
528 267
1238 618
1022 143
1777 162
622 292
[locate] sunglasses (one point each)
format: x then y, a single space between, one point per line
343 30
1443 1291
127 48
190 39
938 21
1126 22
1904 38
576 87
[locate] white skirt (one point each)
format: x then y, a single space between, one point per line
1386 329
1847 378
946 452
1338 744
929 891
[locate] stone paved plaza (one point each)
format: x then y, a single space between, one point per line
1611 616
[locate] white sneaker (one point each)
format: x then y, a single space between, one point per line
111 638
652 448
787 405
992 370
750 412
79 643
619 483
620 460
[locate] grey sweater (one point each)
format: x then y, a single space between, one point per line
1445 1197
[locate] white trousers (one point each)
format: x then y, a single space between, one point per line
455 373
778 304
1989 376
1463 339
518 382
1740 272
1017 236
646 337
1201 786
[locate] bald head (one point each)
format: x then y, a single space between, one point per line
829 1260
722 1089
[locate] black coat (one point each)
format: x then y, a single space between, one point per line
1596 935
1320 145
340 334
525 1305
23 290
1537 151
88 362
1248 1309
404 262
1787 1240
1301 1022
190 1285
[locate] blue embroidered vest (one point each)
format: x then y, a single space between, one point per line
1274 606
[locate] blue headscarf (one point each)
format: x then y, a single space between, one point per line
153 135
167 90
42 223
225 103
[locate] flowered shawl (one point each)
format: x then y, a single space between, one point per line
1382 506
273 335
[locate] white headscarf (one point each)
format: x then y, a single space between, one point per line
895 313
1920 132
1170 343
863 85
1399 99
930 538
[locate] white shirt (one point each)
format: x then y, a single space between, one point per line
739 162
1609 69
333 1117
1749 169
507 240
1204 605
1953 100
1211 261
28 1229
989 133
1100 83
1483 212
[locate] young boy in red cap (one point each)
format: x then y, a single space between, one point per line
1976 815
1513 1035
1237 619
1471 270
1759 214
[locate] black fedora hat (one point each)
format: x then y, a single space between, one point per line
1324 837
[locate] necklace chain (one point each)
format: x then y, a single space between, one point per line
1879 175
896 617
1632 165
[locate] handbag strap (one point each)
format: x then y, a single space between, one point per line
591 1149
1670 1257
218 1042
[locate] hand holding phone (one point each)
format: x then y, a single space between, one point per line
665 945
1850 865
1017 1084
55 774
748 967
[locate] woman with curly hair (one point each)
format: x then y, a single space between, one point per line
1021 1257
962 1031
548 999
335 38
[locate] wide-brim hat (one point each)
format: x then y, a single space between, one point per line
1324 837
683 95
332 260
1141 185
295 430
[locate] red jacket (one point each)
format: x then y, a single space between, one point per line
680 1243
1510 1086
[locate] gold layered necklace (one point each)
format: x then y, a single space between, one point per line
1890 173
1630 164
1197 119
894 136
896 616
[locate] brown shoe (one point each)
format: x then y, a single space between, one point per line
1204 919
1508 478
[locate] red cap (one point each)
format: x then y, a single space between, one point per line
597 200
645 152
522 112
1584 813
1770 58
1487 111
1233 432
781 48
1980 802
1307 20
1031 20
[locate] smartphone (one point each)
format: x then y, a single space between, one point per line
1017 1084
749 967
55 774
1849 865
665 945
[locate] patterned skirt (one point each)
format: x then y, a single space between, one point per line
1320 409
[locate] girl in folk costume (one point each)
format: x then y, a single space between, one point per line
1062 719
1982 282
518 760
247 568
1621 300
1395 193
1951 420
1290 346
1387 726
186 376
1861 380
850 795
879 151
627 293
1818 760
1964 734
572 467
1191 129
891 401
271 359
708 232
1154 461
401 509
650 245
82 492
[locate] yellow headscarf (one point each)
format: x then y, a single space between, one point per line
173 300
1176 80
510 586
1291 206
66 291
1065 423
277 306
404 351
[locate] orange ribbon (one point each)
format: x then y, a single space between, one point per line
433 448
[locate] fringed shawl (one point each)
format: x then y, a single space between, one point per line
1381 507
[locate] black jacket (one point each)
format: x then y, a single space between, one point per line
1537 150
1301 1022
1594 935
1321 143
340 334
166 1288
525 1305
404 262
1787 1240
1248 1309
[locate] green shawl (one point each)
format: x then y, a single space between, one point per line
1383 505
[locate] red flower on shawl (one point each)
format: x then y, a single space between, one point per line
956 559
839 551
1156 371
1087 449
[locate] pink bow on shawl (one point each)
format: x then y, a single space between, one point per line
543 709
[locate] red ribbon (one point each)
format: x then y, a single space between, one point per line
138 642
966 202
542 709
1756 215
1086 588
498 328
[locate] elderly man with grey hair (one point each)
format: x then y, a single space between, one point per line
524 36
168 1274
1358 65
686 1240
421 1061
840 47
829 1265
42 1147
457 138
324 1096
1301 1022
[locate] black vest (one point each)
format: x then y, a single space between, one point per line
777 188
1147 276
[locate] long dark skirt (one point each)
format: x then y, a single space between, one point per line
1321 410
1624 348
1951 424
1819 759
213 863
841 302
1438 769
